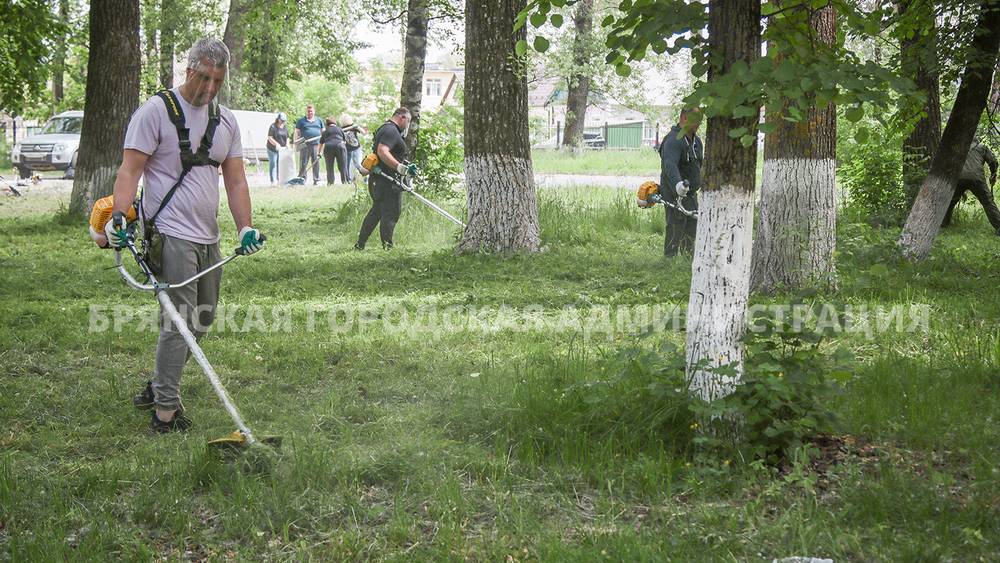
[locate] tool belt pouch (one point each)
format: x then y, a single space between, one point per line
153 248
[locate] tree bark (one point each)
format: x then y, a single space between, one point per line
235 39
720 271
59 59
797 229
579 82
168 24
412 88
503 211
935 194
919 60
111 97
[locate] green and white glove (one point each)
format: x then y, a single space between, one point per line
407 169
250 241
116 230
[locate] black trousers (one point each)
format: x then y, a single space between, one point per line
680 228
338 154
984 193
386 205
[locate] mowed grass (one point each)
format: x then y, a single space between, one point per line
469 444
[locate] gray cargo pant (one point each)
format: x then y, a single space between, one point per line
196 303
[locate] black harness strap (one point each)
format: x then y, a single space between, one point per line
188 159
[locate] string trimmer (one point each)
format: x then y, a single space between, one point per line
242 437
377 169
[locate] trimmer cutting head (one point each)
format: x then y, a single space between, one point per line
237 441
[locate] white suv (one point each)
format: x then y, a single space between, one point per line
55 147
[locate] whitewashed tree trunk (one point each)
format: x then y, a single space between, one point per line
720 288
931 204
503 211
797 230
720 280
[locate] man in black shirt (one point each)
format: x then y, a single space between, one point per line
386 196
681 156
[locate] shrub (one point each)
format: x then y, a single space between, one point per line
440 151
781 401
873 174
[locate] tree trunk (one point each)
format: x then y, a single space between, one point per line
112 95
919 60
720 271
59 58
168 24
234 37
579 83
797 230
412 88
938 188
503 211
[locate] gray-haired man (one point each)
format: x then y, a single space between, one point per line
178 140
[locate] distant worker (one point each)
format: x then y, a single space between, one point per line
352 140
972 178
386 196
308 130
331 145
681 155
277 136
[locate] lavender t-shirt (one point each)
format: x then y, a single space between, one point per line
191 212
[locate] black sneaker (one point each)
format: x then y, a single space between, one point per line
359 246
179 423
144 400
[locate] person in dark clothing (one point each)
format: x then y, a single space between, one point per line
972 178
307 133
277 136
681 155
386 196
352 137
331 145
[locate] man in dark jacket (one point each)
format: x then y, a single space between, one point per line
972 178
386 196
681 155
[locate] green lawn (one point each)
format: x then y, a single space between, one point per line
467 444
642 162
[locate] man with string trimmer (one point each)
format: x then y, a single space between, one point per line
390 149
178 141
681 155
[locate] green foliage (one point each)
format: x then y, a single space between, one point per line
328 96
782 402
440 151
872 172
29 30
797 71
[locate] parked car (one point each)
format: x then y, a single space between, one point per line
55 147
594 141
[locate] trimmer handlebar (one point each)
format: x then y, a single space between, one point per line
155 285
